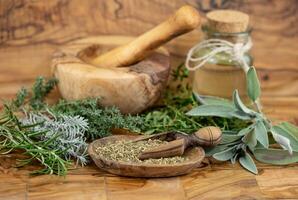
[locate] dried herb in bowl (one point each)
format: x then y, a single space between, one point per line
128 152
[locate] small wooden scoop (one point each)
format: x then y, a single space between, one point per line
207 136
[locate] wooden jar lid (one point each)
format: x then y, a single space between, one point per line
227 21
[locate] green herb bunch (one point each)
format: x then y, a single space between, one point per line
16 136
101 120
171 116
58 133
35 98
257 137
67 133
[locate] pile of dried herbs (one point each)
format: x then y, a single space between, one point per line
128 152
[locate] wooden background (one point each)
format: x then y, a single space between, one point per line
31 30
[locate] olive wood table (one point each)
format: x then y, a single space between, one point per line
212 180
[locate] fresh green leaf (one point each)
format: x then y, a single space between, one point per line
245 130
226 154
290 128
226 139
40 90
212 110
248 163
217 111
253 85
21 96
36 96
180 73
285 139
209 151
251 140
209 100
229 132
240 105
241 115
16 137
275 156
101 120
261 133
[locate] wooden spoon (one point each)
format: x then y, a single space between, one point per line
207 136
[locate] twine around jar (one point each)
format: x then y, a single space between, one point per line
236 50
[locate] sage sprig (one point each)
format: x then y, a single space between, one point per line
253 139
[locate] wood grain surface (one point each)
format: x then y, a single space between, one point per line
210 181
31 30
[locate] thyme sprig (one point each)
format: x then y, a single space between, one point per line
177 101
101 120
35 98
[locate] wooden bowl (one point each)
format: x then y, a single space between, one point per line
194 155
132 88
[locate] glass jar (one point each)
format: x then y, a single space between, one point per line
222 74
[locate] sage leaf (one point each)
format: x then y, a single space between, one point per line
226 139
245 130
241 115
218 111
240 105
253 84
261 134
251 140
225 155
290 128
275 156
248 163
283 141
229 132
288 141
209 100
212 150
212 110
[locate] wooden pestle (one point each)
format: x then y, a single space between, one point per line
184 20
207 136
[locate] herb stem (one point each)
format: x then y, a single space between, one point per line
184 116
258 106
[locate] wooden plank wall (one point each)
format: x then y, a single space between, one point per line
31 30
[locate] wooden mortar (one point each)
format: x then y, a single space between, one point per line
131 76
222 80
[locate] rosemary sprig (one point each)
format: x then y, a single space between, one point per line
66 133
15 136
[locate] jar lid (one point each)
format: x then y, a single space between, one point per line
227 21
